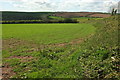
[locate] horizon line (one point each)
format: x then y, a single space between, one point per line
56 11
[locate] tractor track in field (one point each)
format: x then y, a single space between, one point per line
14 44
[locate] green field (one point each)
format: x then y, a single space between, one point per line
88 49
22 37
47 33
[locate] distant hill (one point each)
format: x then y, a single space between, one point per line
25 15
6 15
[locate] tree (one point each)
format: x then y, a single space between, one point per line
113 11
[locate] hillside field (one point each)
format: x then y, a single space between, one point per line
41 35
88 49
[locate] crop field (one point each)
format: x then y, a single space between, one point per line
88 49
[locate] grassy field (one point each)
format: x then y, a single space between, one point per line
47 33
83 50
27 40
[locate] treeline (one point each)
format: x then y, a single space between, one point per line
66 20
32 17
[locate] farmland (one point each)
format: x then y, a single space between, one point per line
47 33
88 49
47 17
54 37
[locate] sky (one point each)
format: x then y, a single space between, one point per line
58 5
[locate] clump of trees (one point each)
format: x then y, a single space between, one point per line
114 11
68 20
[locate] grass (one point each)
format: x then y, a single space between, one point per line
44 59
56 18
87 19
96 57
47 33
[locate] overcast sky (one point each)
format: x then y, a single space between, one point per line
58 5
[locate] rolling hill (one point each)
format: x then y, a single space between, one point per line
7 16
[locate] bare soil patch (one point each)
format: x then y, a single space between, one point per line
72 14
14 43
21 57
7 72
81 14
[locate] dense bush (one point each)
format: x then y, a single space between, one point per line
99 55
69 20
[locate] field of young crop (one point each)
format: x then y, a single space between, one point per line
81 50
